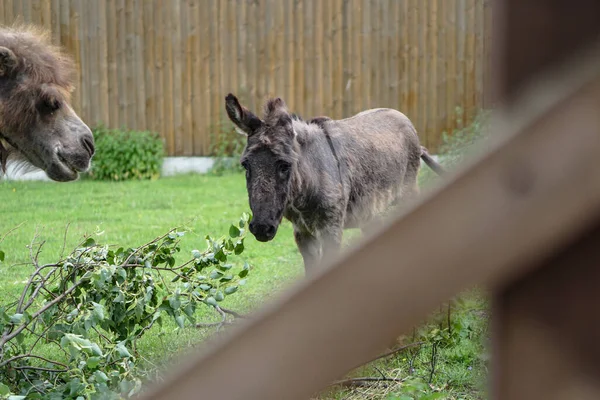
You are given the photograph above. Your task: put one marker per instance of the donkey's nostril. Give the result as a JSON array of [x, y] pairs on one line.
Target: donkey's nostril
[[88, 143]]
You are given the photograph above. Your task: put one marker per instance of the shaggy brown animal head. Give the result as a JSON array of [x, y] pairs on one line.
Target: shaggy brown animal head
[[269, 158], [37, 121]]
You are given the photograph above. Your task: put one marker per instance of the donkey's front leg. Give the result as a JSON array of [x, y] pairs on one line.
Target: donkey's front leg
[[331, 237], [309, 247]]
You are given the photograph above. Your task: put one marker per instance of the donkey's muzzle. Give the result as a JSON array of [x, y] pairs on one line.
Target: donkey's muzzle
[[263, 232]]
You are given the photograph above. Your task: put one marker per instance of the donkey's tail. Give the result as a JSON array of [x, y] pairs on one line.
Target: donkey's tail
[[431, 163]]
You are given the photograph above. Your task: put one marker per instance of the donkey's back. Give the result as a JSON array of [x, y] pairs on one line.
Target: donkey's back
[[379, 155]]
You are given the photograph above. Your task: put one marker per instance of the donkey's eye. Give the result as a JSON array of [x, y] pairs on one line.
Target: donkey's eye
[[283, 169]]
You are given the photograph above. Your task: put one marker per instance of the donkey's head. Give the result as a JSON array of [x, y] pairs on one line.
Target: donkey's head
[[269, 160], [36, 119]]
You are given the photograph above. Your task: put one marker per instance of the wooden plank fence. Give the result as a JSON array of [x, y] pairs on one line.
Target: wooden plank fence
[[166, 65]]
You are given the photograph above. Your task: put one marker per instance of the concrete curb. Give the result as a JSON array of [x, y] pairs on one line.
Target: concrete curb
[[171, 166]]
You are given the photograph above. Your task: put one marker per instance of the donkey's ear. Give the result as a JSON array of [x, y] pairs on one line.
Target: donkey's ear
[[245, 122], [8, 61]]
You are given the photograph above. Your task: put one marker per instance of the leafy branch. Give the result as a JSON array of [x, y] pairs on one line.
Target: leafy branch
[[73, 330]]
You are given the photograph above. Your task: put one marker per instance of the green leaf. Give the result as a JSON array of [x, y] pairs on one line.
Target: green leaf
[[100, 376], [234, 231], [174, 302], [122, 350], [16, 318], [89, 242], [13, 397], [4, 390], [231, 290], [215, 274], [179, 321], [204, 287], [196, 254], [98, 311], [219, 296], [93, 362], [2, 255], [211, 300]]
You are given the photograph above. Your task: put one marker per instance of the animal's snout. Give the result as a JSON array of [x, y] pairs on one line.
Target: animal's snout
[[263, 232], [87, 141]]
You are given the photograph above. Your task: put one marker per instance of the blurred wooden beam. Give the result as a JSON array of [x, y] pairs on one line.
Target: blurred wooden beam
[[536, 188], [544, 332], [530, 36]]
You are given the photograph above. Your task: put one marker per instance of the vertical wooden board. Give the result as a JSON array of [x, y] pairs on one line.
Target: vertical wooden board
[[149, 63], [289, 53], [487, 52], [17, 11], [461, 25], [30, 13], [196, 105], [299, 56], [215, 67], [469, 63], [432, 72], [205, 18], [54, 20], [186, 77], [8, 11], [280, 39], [318, 57], [90, 57], [479, 54], [242, 43], [102, 37], [327, 60], [452, 71], [46, 15], [168, 92], [139, 65], [3, 20], [259, 44], [176, 76], [423, 93], [253, 59], [394, 49], [63, 20], [222, 70], [338, 69], [346, 91], [269, 38], [159, 79], [375, 38], [230, 54], [385, 87], [442, 69], [121, 66], [356, 48], [413, 74], [404, 50], [130, 70], [308, 56], [74, 39], [111, 38]]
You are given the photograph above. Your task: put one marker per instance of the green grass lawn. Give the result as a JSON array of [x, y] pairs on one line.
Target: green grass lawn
[[133, 213]]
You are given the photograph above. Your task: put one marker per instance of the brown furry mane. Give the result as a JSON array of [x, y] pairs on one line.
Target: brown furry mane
[[40, 60]]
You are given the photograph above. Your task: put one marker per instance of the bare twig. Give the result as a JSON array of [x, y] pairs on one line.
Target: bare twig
[[231, 312], [21, 356], [62, 251], [364, 381], [11, 230]]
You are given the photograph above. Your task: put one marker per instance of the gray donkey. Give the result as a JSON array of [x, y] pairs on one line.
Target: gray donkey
[[325, 175]]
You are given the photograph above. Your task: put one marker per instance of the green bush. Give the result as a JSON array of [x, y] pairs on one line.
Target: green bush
[[126, 155]]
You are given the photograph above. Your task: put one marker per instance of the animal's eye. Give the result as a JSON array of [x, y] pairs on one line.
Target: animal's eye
[[49, 106], [283, 168]]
